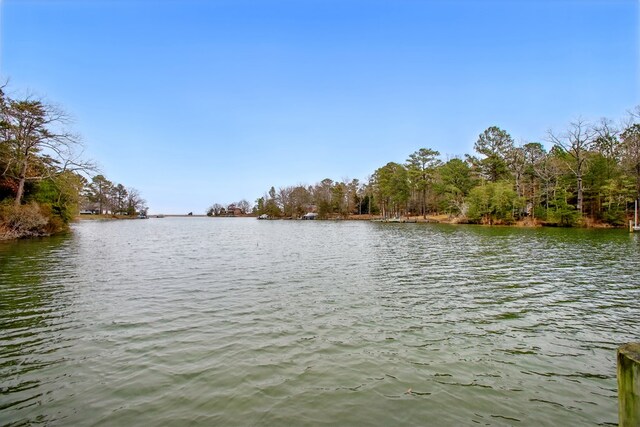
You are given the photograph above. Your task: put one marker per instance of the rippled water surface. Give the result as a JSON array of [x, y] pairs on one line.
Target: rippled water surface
[[186, 321]]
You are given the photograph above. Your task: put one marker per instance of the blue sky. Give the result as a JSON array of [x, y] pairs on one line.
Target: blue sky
[[196, 102]]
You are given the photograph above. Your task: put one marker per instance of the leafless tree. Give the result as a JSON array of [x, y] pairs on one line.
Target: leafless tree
[[244, 206], [576, 141], [135, 202]]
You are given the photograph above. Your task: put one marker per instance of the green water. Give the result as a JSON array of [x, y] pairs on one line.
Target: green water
[[199, 321]]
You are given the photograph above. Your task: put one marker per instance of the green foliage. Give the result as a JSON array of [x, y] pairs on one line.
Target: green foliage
[[324, 209], [367, 206], [272, 209], [617, 193], [562, 213], [260, 205], [98, 192], [453, 183], [35, 145], [39, 166], [493, 203], [55, 222], [494, 145], [53, 203], [392, 186], [61, 193], [103, 196], [338, 192], [588, 169], [615, 217], [479, 204]]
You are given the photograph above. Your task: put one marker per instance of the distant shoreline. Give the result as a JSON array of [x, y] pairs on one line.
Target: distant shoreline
[[433, 219]]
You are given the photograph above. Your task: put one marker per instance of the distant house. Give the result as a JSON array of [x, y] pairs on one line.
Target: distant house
[[233, 210], [310, 215], [89, 208]]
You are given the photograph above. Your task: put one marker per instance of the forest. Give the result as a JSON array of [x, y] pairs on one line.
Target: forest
[[590, 176], [44, 178]]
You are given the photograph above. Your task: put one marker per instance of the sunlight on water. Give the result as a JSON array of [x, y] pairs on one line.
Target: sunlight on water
[[245, 322]]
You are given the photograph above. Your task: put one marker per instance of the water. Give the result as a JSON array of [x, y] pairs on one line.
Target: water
[[199, 321]]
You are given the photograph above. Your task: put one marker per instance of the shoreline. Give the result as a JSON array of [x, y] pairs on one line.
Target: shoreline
[[430, 219]]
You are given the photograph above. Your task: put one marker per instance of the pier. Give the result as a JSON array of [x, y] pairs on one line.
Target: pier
[[629, 385]]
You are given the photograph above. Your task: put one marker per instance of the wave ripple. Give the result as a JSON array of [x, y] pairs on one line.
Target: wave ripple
[[244, 322]]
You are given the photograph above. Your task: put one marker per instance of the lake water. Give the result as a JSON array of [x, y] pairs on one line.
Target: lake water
[[200, 321]]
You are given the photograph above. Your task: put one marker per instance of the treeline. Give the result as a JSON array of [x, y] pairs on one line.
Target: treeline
[[101, 196], [327, 198], [42, 172], [590, 174]]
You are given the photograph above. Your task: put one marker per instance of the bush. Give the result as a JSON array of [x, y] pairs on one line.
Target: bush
[[561, 213], [493, 203], [56, 221], [540, 212], [615, 217], [17, 222]]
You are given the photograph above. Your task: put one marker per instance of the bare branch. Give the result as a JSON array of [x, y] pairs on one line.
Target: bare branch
[[34, 136]]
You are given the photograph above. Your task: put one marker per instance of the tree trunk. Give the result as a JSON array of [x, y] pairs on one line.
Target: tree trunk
[[533, 203], [23, 178], [424, 203], [580, 196]]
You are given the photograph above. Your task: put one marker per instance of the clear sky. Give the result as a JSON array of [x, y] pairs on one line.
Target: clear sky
[[196, 102]]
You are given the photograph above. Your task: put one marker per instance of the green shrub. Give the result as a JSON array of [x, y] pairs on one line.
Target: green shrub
[[561, 213], [540, 213], [493, 203], [615, 217]]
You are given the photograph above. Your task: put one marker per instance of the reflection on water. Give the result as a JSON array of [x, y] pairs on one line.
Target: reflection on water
[[244, 322], [32, 321]]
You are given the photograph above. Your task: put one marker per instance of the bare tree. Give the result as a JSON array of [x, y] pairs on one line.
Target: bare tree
[[135, 202], [284, 200], [631, 153], [576, 141], [516, 162], [244, 206], [214, 209], [300, 200], [534, 167], [36, 143]]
